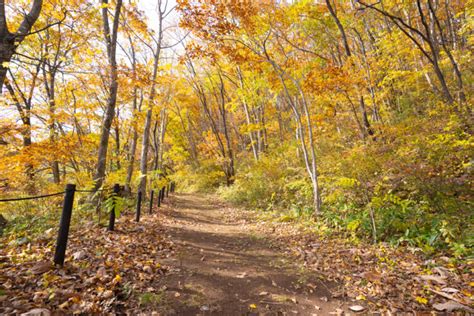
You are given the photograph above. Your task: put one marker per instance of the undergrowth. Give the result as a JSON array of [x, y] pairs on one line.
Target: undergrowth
[[407, 190], [29, 220]]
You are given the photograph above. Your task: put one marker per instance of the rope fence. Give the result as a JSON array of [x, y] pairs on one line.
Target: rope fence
[[48, 195], [31, 197], [93, 191], [68, 204]]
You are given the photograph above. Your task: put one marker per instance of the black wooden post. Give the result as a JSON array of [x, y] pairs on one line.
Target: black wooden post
[[139, 205], [167, 189], [162, 194], [112, 211], [159, 198], [64, 224], [151, 200]]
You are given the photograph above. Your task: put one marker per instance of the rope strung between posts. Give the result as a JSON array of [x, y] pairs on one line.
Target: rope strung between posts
[[57, 193], [68, 203], [93, 191], [31, 197], [47, 195]]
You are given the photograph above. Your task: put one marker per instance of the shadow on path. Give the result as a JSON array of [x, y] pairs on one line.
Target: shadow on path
[[222, 268]]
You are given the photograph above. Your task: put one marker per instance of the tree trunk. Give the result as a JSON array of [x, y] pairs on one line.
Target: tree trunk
[[133, 147], [50, 85], [148, 119], [117, 141], [7, 48], [340, 27], [9, 41], [151, 97], [230, 164], [247, 117], [136, 106], [111, 43]]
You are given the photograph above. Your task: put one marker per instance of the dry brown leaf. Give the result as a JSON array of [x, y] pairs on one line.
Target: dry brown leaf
[[41, 267], [434, 278], [37, 312], [451, 306], [357, 308]]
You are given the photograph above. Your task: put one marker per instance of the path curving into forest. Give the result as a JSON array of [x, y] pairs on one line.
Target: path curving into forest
[[222, 268]]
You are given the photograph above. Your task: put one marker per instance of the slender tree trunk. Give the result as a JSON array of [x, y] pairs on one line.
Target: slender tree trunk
[[187, 130], [25, 115], [264, 128], [50, 85], [310, 164], [230, 154], [247, 117], [156, 145], [136, 107], [340, 27], [457, 71], [111, 43], [314, 167], [367, 127], [147, 129], [117, 140], [151, 100], [161, 147], [52, 129], [133, 150]]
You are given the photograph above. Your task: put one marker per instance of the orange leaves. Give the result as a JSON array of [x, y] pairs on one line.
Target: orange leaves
[[328, 79]]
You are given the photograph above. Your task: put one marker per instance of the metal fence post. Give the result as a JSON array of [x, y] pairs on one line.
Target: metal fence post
[[112, 211], [151, 200], [64, 224], [139, 205]]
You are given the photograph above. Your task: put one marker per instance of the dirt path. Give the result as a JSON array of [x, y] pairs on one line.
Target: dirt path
[[222, 268]]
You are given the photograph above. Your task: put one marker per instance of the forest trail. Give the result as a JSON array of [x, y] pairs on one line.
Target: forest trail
[[221, 268]]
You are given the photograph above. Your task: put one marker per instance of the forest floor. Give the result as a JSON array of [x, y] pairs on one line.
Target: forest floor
[[197, 255], [231, 261], [223, 268]]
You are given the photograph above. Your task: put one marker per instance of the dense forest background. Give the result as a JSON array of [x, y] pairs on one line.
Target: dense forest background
[[354, 116]]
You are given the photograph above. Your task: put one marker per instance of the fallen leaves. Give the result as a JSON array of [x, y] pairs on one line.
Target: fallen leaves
[[79, 255], [37, 312], [357, 308], [451, 306], [41, 267], [434, 278], [101, 273], [422, 300], [386, 279]]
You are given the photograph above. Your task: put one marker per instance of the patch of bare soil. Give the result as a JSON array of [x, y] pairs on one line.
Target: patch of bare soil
[[224, 268]]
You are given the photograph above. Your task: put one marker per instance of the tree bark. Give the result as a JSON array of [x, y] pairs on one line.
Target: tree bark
[[230, 174], [148, 119], [340, 27], [10, 41], [247, 116], [111, 43]]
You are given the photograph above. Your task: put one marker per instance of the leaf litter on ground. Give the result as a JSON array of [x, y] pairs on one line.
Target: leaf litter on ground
[[104, 272], [378, 278]]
